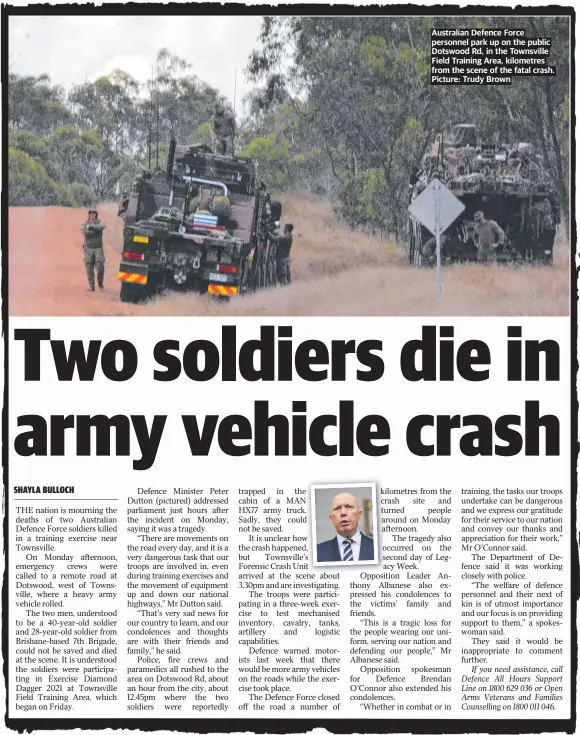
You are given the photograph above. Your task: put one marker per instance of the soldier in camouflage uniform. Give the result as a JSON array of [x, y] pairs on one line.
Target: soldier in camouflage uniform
[[283, 246], [124, 203], [224, 125], [94, 256], [487, 235]]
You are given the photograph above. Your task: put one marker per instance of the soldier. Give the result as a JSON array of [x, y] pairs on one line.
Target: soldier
[[93, 249], [284, 244], [123, 204], [224, 126], [487, 235]]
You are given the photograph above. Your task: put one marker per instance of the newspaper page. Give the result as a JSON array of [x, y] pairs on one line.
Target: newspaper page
[[290, 333]]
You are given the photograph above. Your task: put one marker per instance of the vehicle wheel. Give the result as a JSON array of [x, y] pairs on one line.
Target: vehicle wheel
[[131, 294], [260, 275], [244, 277]]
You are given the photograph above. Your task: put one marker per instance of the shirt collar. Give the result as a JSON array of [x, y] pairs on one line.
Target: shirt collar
[[355, 539]]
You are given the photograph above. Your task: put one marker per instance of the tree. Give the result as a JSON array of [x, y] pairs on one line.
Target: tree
[[361, 89], [179, 103], [33, 104], [280, 141], [78, 155], [28, 182], [96, 137]]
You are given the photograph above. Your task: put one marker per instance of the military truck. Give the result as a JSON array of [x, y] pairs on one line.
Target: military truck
[[507, 182], [203, 224]]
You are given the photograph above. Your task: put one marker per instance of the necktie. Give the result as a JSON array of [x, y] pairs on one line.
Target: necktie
[[347, 554]]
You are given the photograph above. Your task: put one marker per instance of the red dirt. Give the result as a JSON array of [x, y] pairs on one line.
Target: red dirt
[[336, 272], [46, 274]]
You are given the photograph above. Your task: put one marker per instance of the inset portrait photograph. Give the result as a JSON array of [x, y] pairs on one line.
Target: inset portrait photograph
[[344, 527]]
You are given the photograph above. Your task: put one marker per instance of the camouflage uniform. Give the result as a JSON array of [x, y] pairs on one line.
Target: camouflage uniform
[[123, 204], [487, 236], [94, 256], [224, 126], [284, 244], [283, 272]]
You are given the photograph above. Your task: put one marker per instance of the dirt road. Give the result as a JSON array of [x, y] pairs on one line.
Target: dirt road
[[336, 273]]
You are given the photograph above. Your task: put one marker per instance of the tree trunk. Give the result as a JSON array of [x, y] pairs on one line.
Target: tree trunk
[[561, 182]]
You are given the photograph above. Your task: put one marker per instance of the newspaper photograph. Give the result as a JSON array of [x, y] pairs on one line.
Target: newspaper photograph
[[290, 410]]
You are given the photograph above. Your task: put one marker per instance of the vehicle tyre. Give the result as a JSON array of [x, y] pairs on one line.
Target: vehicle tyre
[[131, 294], [244, 277]]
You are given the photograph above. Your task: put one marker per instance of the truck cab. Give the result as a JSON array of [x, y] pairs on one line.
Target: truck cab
[[204, 224]]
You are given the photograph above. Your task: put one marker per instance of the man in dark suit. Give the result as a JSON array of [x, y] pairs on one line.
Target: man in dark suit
[[349, 545]]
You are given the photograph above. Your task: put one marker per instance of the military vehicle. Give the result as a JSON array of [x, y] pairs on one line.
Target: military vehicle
[[508, 183], [204, 224]]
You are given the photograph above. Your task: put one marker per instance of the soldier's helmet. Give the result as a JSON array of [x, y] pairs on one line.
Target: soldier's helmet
[[94, 210], [478, 216]]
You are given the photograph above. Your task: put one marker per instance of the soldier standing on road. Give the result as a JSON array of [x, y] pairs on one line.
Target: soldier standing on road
[[284, 245], [487, 235], [224, 126], [93, 250]]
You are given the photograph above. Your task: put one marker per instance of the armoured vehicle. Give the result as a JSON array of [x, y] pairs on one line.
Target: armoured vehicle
[[204, 223], [508, 183]]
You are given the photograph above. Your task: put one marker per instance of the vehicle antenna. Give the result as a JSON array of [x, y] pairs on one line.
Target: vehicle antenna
[[157, 120], [150, 122], [234, 131], [235, 87]]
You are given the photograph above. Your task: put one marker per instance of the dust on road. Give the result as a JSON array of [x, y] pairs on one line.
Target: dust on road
[[336, 272]]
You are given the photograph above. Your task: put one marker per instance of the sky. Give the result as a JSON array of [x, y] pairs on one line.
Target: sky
[[72, 49]]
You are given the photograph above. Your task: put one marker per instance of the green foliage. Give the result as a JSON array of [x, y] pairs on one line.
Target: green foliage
[[78, 156], [34, 104], [28, 182], [362, 200], [412, 132], [344, 110], [375, 53], [272, 153], [360, 93], [100, 133], [30, 143], [57, 169], [79, 195], [203, 134]]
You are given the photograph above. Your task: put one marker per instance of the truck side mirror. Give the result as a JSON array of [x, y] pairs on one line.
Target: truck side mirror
[[275, 211]]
